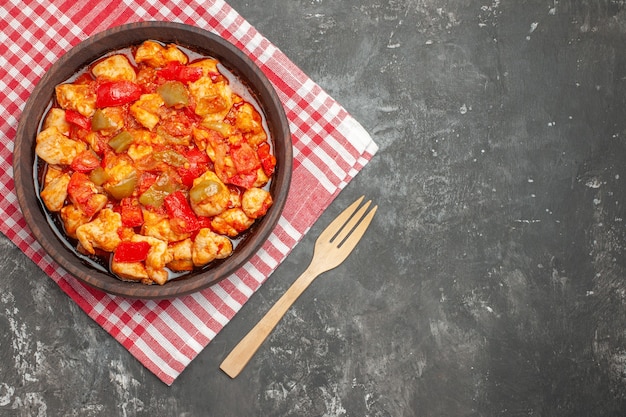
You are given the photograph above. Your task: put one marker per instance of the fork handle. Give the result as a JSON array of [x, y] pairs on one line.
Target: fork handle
[[247, 347]]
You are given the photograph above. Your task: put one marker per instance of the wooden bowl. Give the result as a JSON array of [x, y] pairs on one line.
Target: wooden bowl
[[198, 40]]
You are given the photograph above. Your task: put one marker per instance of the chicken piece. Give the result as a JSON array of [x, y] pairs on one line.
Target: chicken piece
[[235, 139], [231, 222], [94, 141], [181, 253], [248, 120], [57, 149], [158, 257], [213, 100], [181, 250], [77, 97], [100, 232], [121, 176], [261, 178], [56, 118], [126, 233], [208, 196], [208, 246], [139, 151], [208, 65], [255, 202], [157, 56], [235, 197], [55, 192], [52, 173], [115, 68], [256, 138], [73, 217], [202, 139], [131, 271], [146, 110], [173, 54], [159, 226]]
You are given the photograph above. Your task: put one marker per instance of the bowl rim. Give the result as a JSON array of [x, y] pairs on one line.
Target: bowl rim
[[120, 37]]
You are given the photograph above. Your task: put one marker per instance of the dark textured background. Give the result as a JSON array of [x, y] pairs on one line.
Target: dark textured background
[[492, 280]]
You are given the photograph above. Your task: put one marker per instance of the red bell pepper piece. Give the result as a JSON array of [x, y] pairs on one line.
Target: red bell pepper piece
[[204, 222], [178, 209], [86, 161], [131, 213], [77, 119], [131, 251], [175, 71], [268, 161], [198, 164], [117, 93]]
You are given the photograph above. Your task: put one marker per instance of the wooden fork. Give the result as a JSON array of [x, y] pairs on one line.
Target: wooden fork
[[331, 248]]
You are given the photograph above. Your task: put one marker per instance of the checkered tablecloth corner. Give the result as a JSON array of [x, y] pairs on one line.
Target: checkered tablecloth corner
[[330, 148]]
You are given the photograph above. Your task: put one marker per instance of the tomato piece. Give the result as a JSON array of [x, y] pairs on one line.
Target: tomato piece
[[81, 192], [187, 176], [198, 165], [127, 252], [175, 71], [245, 158], [131, 213], [177, 123], [77, 119], [243, 179], [223, 170], [86, 161], [117, 93], [204, 222], [178, 209], [196, 157], [78, 188], [268, 161]]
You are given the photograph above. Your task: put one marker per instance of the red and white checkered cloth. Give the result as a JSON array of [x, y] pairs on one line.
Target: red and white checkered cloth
[[330, 147]]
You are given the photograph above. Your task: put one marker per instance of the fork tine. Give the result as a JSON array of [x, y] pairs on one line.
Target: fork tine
[[347, 227], [333, 227], [359, 231]]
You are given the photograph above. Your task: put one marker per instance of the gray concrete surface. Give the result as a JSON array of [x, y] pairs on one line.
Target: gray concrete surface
[[492, 281]]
